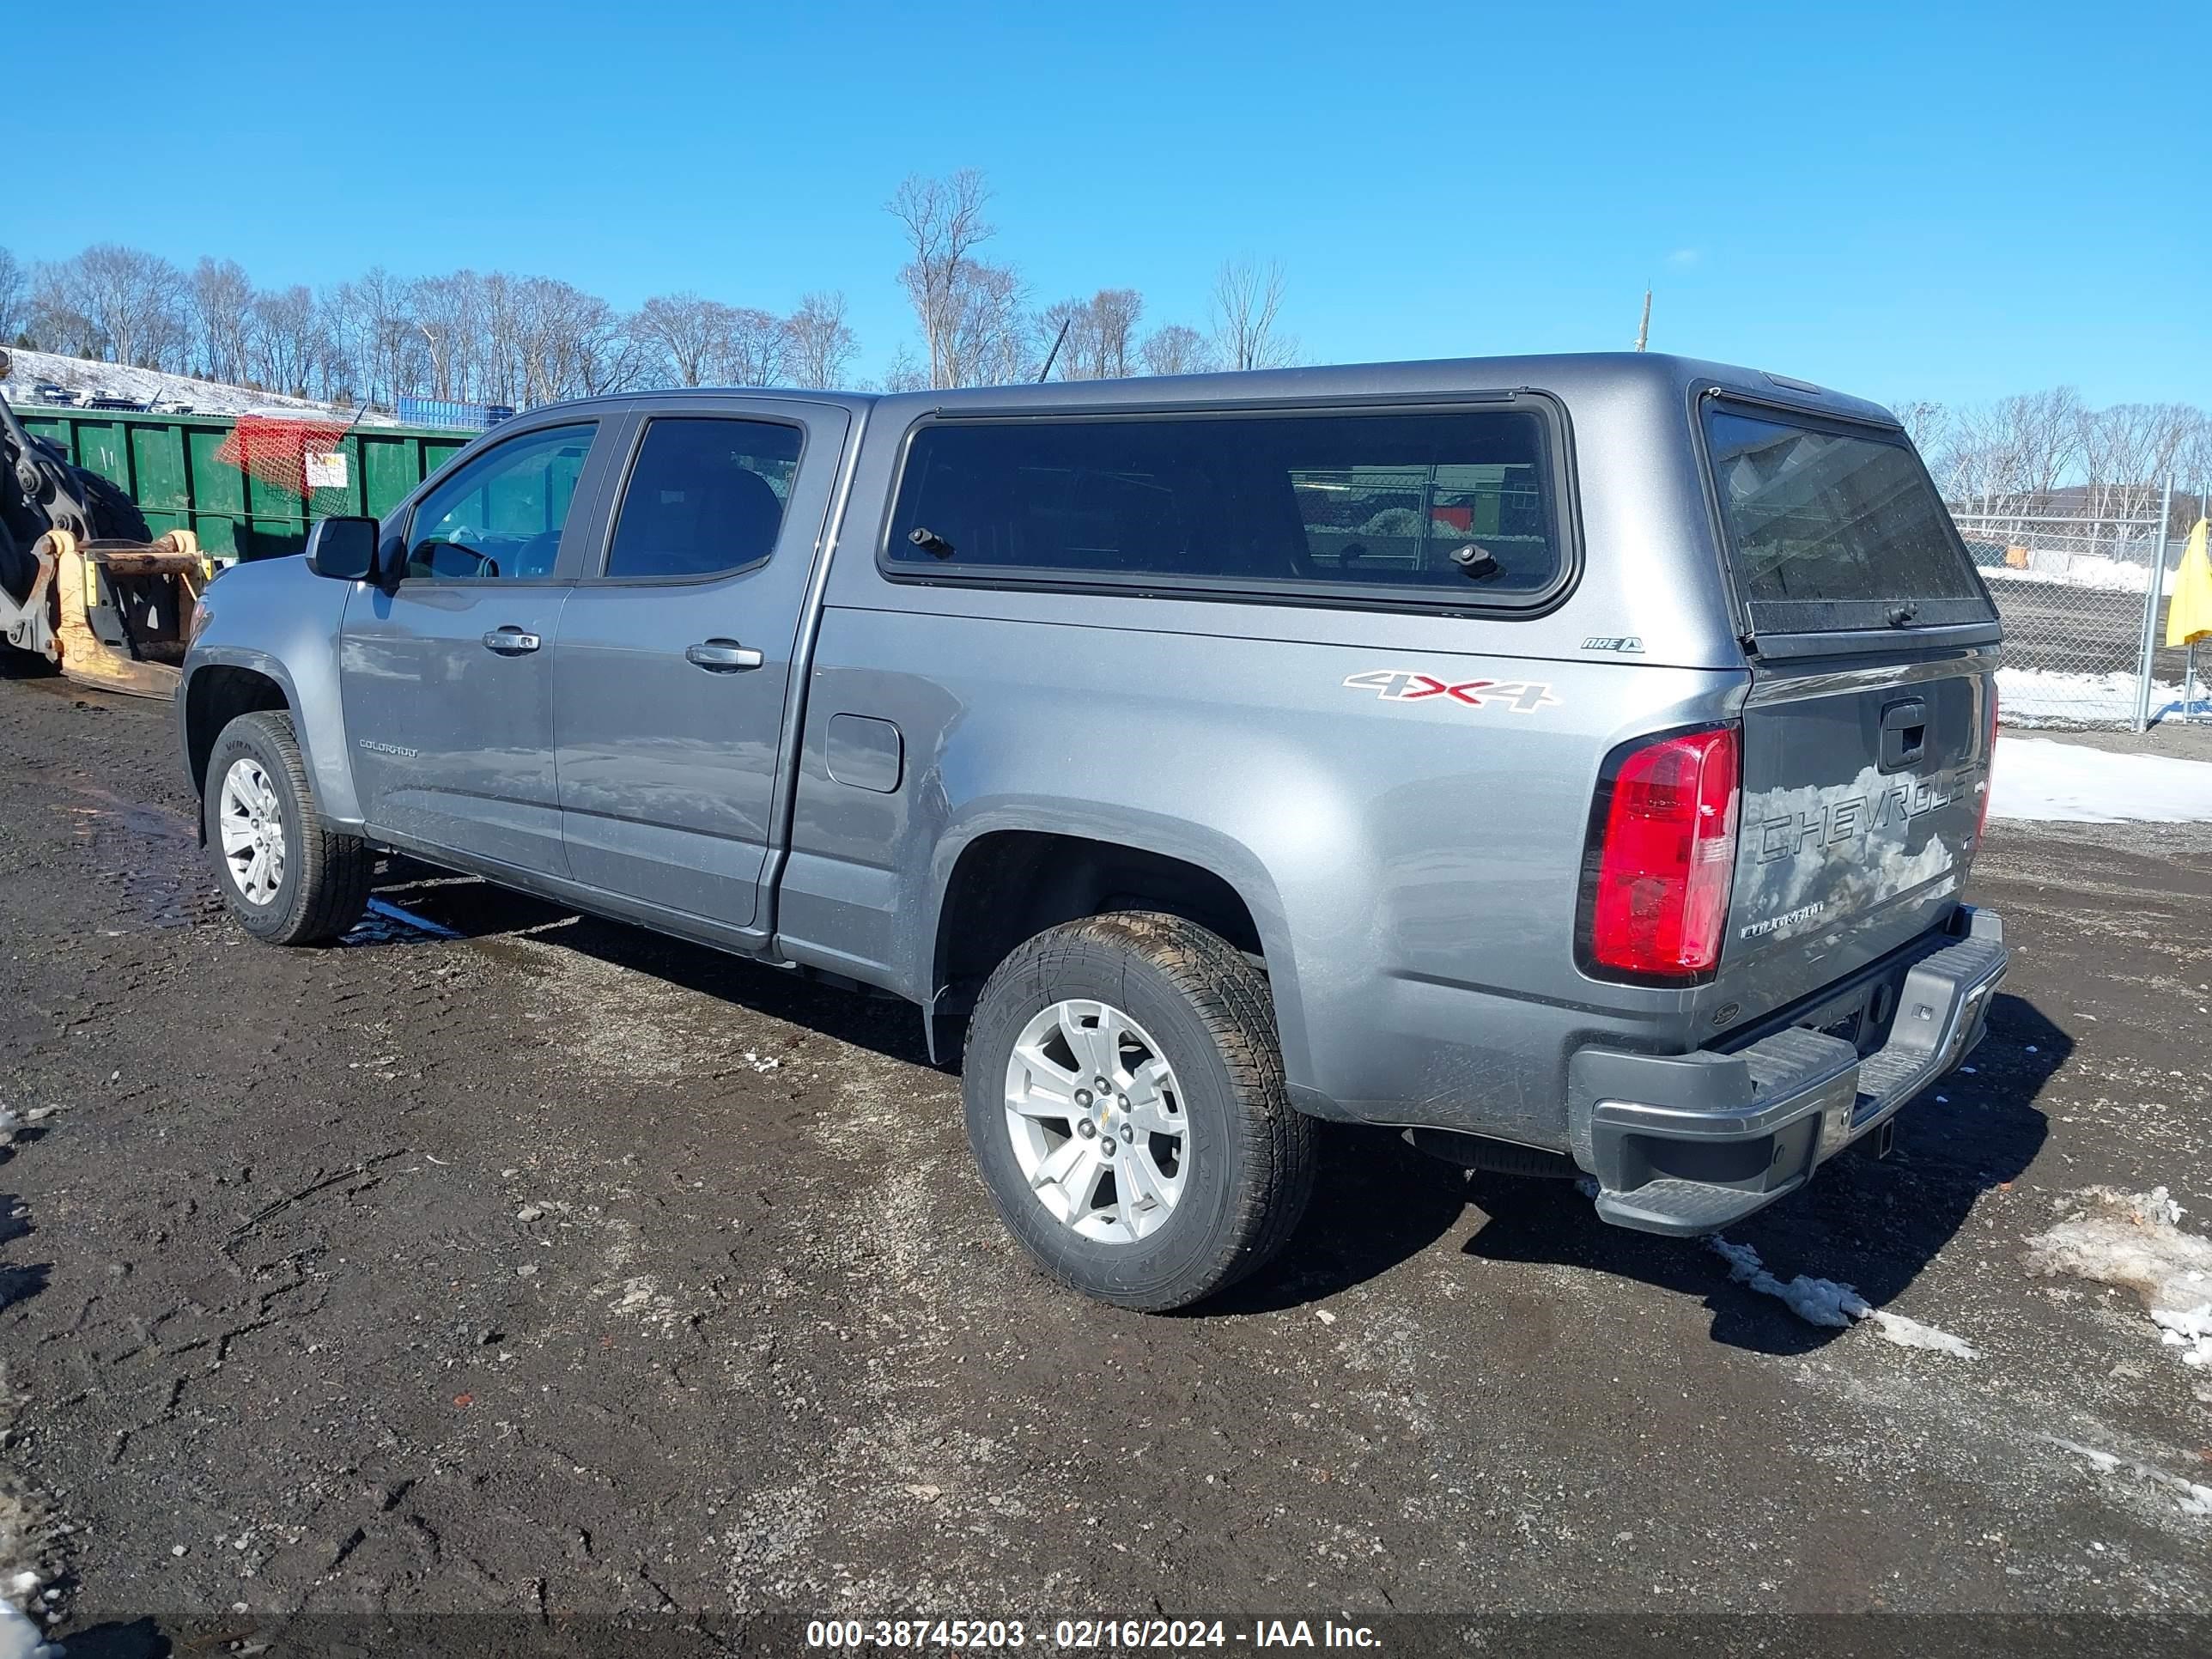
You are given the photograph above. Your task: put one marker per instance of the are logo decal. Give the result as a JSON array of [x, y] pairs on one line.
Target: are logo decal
[[1405, 685]]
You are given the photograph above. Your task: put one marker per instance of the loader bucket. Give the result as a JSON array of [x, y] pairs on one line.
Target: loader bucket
[[120, 609]]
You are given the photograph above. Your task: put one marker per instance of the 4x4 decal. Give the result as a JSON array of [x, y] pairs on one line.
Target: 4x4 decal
[[1404, 685]]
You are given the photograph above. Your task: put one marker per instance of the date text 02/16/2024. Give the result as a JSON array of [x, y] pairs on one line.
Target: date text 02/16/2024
[[1085, 1635]]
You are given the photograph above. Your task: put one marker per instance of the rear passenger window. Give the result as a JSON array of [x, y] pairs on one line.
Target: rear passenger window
[[706, 496], [1438, 507]]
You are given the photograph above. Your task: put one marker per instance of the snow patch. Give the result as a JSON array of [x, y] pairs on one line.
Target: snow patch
[[2130, 1240], [2193, 1498], [2044, 696], [2037, 778], [22, 1524], [2099, 570], [1825, 1302], [144, 385]]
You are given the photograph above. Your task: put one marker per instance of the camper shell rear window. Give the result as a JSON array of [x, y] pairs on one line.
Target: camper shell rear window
[[1833, 526]]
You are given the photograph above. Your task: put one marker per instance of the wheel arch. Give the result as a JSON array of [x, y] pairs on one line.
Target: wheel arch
[[1003, 879], [216, 694], [223, 682]]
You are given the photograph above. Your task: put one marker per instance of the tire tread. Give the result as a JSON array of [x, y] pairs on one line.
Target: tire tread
[[1231, 998], [335, 868]]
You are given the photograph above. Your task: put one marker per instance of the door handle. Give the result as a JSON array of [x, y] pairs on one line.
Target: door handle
[[723, 656], [510, 642]]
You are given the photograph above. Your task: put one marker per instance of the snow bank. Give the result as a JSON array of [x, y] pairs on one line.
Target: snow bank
[[1825, 1302], [2130, 1240], [2041, 696], [2035, 778], [144, 385]]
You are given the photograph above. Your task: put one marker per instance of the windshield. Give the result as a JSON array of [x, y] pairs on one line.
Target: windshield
[[1830, 528]]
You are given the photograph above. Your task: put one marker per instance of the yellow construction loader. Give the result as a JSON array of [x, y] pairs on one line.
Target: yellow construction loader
[[81, 584]]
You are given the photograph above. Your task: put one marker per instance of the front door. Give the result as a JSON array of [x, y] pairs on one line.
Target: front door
[[445, 674], [674, 656]]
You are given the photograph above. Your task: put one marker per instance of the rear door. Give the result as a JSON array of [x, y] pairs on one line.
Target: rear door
[[1868, 728], [444, 673], [673, 659]]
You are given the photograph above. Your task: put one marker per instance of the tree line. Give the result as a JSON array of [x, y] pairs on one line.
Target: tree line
[[500, 337], [2050, 451]]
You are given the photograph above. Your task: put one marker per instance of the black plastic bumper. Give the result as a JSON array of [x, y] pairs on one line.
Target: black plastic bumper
[[1685, 1144]]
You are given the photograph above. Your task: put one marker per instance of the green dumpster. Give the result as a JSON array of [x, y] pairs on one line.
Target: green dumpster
[[168, 464]]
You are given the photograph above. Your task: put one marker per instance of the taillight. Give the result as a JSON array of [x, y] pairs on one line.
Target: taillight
[[1655, 884]]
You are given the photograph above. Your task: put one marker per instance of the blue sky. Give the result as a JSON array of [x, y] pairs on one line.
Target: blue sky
[[1953, 199]]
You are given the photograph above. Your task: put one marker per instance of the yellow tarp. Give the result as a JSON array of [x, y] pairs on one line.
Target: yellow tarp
[[2188, 615]]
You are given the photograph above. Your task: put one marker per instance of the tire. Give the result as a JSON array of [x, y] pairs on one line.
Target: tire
[[318, 885], [1211, 1197], [115, 516]]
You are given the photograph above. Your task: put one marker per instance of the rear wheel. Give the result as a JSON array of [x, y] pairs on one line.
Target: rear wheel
[[1124, 1097], [286, 877]]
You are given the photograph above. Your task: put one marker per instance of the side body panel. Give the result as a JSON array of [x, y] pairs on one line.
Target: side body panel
[[667, 768], [1413, 863]]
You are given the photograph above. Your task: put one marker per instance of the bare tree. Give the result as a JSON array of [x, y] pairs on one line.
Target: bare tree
[[372, 336], [283, 342], [1114, 312], [58, 320], [944, 222], [1176, 349], [221, 298], [1247, 302], [989, 337], [686, 330], [2129, 450], [821, 343], [15, 294], [1924, 423], [1098, 345], [2043, 431], [906, 374], [447, 313], [609, 356], [754, 347], [122, 303], [1068, 324]]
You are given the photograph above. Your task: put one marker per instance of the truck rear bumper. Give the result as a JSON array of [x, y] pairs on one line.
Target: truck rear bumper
[[1685, 1143]]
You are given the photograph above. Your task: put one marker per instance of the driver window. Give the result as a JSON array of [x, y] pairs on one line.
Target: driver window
[[498, 517]]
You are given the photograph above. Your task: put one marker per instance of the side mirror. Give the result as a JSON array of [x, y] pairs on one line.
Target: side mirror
[[343, 549]]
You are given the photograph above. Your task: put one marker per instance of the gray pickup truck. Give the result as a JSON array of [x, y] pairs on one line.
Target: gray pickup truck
[[1573, 761]]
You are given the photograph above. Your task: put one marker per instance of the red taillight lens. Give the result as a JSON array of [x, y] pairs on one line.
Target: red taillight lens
[[1658, 899]]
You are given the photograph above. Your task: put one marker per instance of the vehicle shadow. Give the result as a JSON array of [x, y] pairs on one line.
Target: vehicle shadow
[[417, 903], [1871, 1224], [1376, 1202]]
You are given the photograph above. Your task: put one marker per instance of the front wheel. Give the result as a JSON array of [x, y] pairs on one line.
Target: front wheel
[[286, 877], [1124, 1097]]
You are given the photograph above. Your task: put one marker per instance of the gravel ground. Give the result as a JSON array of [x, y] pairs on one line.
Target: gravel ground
[[554, 1273]]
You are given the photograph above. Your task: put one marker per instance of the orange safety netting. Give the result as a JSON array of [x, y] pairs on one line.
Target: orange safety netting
[[274, 449]]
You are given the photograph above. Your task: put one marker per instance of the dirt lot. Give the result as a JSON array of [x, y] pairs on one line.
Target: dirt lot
[[556, 1272]]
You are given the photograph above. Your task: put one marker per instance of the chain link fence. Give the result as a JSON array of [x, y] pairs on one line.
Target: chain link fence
[[2071, 593]]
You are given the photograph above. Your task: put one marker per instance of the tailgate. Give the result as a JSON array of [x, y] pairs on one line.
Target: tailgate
[[1866, 730], [1862, 804]]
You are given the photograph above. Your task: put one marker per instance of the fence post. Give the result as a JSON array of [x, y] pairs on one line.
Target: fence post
[[2154, 590]]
